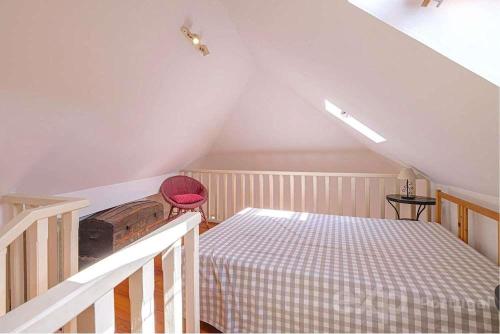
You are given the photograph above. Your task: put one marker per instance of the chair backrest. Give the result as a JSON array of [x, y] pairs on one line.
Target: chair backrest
[[181, 184]]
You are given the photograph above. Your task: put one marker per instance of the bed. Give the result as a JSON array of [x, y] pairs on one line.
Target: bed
[[280, 271]]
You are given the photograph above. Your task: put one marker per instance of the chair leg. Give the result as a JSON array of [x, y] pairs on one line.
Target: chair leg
[[170, 212], [204, 218]]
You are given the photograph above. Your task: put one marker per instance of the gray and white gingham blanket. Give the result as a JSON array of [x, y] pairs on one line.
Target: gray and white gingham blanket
[[279, 271]]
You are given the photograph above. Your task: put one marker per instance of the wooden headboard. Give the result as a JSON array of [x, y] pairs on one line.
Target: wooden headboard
[[463, 208]]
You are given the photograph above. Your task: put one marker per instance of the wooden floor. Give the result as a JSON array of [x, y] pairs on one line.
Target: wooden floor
[[122, 304]]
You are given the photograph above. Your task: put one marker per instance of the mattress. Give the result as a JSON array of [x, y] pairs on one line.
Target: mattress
[[280, 271]]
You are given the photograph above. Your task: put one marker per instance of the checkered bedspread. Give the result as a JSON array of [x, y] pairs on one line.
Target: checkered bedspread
[[279, 271]]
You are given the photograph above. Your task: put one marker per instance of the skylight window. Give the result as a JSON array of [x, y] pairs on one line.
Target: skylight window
[[353, 122]]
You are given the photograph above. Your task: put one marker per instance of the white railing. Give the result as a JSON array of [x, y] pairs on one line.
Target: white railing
[[352, 194], [88, 295], [38, 247]]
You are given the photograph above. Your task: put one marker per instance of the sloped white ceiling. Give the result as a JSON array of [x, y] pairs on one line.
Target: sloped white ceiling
[[462, 30], [99, 92], [436, 115]]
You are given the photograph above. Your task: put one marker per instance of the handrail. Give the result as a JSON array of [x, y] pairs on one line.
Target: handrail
[[50, 311], [469, 205], [20, 223], [36, 200], [259, 172]]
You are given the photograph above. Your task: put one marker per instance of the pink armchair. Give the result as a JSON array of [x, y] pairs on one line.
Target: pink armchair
[[185, 194]]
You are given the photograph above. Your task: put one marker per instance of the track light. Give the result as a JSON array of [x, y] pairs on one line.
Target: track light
[[425, 3], [195, 39]]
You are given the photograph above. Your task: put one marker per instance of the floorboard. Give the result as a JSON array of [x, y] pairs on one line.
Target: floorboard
[[122, 302]]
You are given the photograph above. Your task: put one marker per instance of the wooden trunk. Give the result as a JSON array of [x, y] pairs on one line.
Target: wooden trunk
[[107, 231]]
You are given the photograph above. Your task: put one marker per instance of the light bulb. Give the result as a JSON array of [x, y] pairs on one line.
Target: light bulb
[[196, 40]]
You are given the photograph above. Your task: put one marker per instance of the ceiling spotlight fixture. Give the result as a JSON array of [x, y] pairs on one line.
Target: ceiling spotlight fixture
[[195, 39], [425, 3]]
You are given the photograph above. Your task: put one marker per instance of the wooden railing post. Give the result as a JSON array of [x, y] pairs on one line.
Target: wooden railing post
[[3, 281], [315, 193], [339, 196], [271, 191], [327, 194], [172, 288], [261, 191], [192, 281], [36, 258], [252, 191], [303, 193], [53, 252], [459, 223], [217, 197], [233, 182], [465, 222], [16, 254], [141, 286], [243, 192], [367, 197], [382, 197], [226, 213], [353, 196], [100, 317], [209, 200], [69, 228], [281, 192], [438, 206]]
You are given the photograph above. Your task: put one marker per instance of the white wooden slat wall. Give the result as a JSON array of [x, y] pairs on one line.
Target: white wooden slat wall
[[355, 194]]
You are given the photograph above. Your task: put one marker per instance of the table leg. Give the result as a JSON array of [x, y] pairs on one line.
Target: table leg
[[421, 209], [395, 209]]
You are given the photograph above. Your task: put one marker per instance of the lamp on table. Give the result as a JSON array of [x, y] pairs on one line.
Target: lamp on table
[[408, 190]]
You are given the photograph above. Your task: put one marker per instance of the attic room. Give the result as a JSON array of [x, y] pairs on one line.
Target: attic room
[[265, 166]]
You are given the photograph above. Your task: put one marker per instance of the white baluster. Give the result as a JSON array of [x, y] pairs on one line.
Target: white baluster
[[271, 191], [367, 197], [3, 281], [192, 281], [69, 234], [340, 194], [36, 258], [327, 194], [382, 197], [100, 317], [303, 192], [141, 286], [353, 196], [172, 288], [16, 255], [315, 194]]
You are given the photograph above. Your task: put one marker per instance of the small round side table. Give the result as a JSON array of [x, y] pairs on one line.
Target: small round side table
[[421, 201]]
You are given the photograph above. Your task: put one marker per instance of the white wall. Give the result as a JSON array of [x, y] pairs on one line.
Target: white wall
[[272, 128], [105, 197], [109, 196], [337, 161]]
